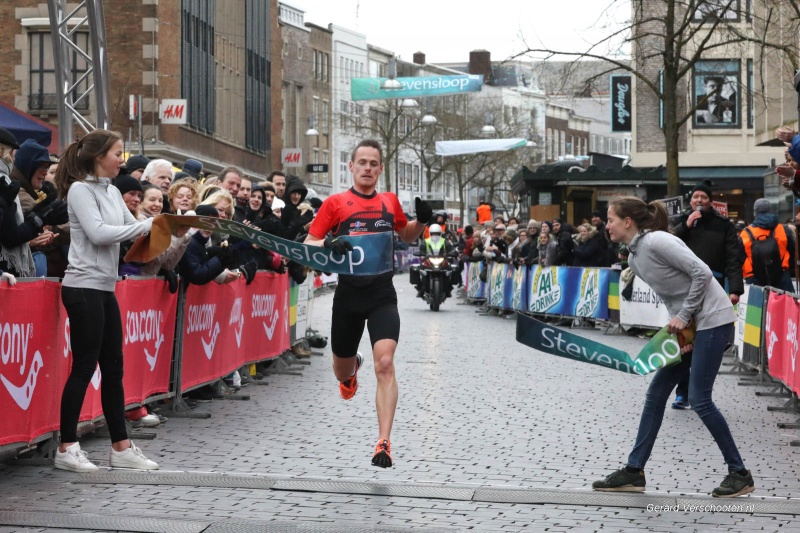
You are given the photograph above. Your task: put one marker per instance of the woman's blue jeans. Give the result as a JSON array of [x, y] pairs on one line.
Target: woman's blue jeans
[[706, 360]]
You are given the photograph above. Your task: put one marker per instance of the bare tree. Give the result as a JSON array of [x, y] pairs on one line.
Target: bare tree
[[668, 38]]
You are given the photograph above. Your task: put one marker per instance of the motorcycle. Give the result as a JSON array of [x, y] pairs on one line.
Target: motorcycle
[[435, 276]]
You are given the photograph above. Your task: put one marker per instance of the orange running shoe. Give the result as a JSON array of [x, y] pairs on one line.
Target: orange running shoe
[[348, 387], [383, 454]]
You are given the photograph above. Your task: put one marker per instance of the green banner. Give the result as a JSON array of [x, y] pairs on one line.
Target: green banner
[[371, 254], [370, 88], [662, 350]]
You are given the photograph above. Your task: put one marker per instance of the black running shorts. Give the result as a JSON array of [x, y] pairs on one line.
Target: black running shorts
[[375, 305]]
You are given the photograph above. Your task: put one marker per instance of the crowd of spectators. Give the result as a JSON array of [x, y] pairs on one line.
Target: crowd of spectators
[[35, 236]]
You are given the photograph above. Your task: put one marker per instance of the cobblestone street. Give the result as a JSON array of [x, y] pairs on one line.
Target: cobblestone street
[[489, 436]]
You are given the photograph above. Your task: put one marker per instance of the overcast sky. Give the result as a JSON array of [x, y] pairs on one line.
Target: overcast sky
[[447, 30]]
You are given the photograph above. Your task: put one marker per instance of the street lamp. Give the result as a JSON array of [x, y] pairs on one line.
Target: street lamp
[[488, 130], [311, 131], [390, 83], [428, 119]]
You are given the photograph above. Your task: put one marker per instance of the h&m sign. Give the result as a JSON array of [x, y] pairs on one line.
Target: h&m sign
[[621, 103]]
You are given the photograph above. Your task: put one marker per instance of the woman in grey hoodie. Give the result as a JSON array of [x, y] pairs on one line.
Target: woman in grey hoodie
[[99, 221], [690, 293]]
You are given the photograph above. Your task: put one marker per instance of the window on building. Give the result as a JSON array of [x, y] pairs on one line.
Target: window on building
[[324, 119], [325, 58], [325, 177], [415, 179], [43, 94], [344, 168], [562, 143], [198, 66], [727, 10], [549, 142], [716, 94], [401, 175], [751, 109]]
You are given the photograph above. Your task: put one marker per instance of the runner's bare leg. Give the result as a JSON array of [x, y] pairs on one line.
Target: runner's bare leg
[[386, 393]]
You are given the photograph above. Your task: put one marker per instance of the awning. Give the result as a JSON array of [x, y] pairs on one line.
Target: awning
[[25, 127], [449, 148]]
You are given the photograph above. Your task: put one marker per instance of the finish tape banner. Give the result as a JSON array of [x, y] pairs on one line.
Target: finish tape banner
[[371, 254], [370, 88], [662, 350]]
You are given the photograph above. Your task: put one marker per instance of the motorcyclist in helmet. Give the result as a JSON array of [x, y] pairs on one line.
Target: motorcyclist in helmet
[[435, 245]]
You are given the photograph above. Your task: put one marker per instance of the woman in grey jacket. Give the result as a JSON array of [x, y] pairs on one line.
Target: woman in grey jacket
[[99, 221], [689, 292]]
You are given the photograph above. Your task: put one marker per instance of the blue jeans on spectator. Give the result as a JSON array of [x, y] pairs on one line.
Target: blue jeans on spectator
[[706, 360], [40, 262]]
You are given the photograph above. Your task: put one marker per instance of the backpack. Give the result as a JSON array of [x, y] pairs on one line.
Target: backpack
[[765, 255]]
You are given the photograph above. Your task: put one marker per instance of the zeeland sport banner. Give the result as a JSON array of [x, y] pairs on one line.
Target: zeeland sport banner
[[370, 88], [662, 350], [371, 254]]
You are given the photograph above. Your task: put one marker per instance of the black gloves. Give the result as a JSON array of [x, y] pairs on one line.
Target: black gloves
[[50, 195], [9, 189], [171, 278], [52, 214], [249, 271], [337, 246], [423, 209], [297, 272], [224, 253]]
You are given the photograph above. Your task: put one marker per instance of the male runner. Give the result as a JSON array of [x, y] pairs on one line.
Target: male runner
[[371, 299]]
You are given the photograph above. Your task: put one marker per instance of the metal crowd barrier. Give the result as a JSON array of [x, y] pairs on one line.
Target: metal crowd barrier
[[171, 344]]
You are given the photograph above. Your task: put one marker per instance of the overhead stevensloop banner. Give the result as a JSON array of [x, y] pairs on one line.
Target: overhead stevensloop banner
[[370, 88], [447, 148]]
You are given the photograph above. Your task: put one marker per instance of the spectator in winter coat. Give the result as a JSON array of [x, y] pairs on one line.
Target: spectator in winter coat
[[562, 233], [547, 250], [590, 248]]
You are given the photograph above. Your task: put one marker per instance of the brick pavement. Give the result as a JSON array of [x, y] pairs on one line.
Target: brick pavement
[[475, 408]]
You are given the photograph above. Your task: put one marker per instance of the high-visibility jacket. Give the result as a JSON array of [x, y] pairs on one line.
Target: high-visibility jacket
[[484, 213], [434, 248], [758, 233]]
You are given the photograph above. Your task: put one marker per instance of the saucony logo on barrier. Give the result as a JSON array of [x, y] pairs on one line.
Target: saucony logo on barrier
[[208, 347], [270, 330], [237, 317], [264, 306], [24, 394], [14, 339], [791, 336], [201, 318], [144, 327]]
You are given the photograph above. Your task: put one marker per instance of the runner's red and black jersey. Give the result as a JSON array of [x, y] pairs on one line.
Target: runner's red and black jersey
[[353, 213]]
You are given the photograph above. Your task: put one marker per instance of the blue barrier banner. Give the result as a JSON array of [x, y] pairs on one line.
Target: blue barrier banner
[[476, 289], [497, 282], [519, 298], [592, 296], [548, 290], [508, 286]]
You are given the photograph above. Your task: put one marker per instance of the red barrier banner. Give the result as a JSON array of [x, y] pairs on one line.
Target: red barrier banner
[[32, 371], [783, 315], [148, 313], [266, 328], [229, 325]]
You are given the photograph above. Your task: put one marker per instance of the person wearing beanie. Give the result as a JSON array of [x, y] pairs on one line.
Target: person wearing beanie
[[714, 239], [135, 166], [193, 167], [131, 190], [764, 225]]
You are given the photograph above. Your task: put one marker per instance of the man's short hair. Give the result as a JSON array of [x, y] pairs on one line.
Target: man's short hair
[[368, 143], [230, 170]]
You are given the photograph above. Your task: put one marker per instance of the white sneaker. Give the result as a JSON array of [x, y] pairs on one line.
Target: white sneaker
[[150, 421], [132, 458], [75, 460]]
